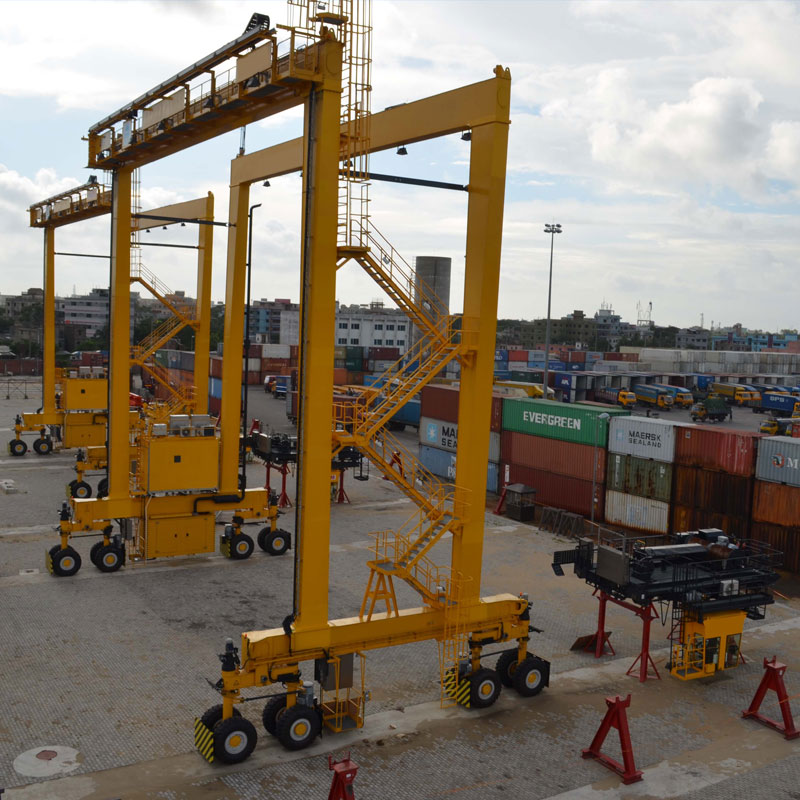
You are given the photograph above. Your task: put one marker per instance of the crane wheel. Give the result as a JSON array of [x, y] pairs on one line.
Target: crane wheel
[[273, 711], [81, 490], [276, 543], [214, 714], [102, 488], [234, 739], [94, 551], [66, 562], [506, 665], [485, 688], [109, 558], [43, 447], [531, 676], [241, 546], [16, 447], [298, 726]]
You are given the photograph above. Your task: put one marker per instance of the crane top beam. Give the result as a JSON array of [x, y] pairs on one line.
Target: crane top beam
[[90, 199]]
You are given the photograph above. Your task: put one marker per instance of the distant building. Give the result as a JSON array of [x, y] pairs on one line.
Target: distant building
[[692, 339], [265, 318], [90, 310]]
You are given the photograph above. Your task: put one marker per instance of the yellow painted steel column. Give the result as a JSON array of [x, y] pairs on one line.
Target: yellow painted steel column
[[232, 338], [202, 335], [119, 337], [49, 324], [487, 179], [317, 323]]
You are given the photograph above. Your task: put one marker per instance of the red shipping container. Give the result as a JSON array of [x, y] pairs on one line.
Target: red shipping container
[[215, 367], [559, 491], [780, 537], [339, 376], [355, 378], [518, 355], [253, 378], [686, 518], [294, 351], [716, 492], [441, 402], [576, 356], [717, 449], [214, 405], [776, 503], [383, 353], [563, 458]]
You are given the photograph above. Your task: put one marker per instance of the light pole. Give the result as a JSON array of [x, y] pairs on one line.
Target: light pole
[[604, 417], [552, 230]]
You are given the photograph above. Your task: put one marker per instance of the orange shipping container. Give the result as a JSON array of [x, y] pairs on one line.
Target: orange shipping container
[[776, 503], [339, 376], [686, 518], [783, 538], [713, 448], [563, 458]]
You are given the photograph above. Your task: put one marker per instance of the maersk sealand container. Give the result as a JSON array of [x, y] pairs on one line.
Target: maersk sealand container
[[570, 423]]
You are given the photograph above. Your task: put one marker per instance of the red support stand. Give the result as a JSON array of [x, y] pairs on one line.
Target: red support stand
[[644, 659], [773, 679], [344, 774], [283, 498], [341, 494], [616, 717], [498, 509]]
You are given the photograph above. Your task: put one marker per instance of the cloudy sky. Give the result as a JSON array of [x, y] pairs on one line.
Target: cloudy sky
[[664, 137]]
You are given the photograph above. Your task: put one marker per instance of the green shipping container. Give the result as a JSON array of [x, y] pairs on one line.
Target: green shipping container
[[340, 352], [526, 376], [354, 351], [353, 364], [568, 422], [642, 477]]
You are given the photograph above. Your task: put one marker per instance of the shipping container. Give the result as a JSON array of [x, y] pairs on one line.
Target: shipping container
[[441, 402], [642, 437], [339, 376], [570, 423], [354, 351], [443, 464], [215, 367], [408, 414], [355, 377], [215, 387], [642, 477], [501, 355], [717, 448], [294, 351], [353, 364], [444, 435], [558, 491], [779, 460], [719, 492], [687, 518], [776, 503], [518, 355], [340, 353], [275, 351], [574, 460], [187, 360], [637, 513], [784, 538], [390, 354], [214, 405]]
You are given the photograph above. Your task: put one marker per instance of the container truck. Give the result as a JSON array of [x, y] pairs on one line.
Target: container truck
[[616, 397], [528, 389], [714, 409], [739, 394], [649, 395], [681, 398], [779, 405], [780, 427]]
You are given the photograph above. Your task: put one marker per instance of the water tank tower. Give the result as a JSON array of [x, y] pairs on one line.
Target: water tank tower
[[434, 273]]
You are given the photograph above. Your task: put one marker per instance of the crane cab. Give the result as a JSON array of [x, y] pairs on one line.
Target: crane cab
[[708, 644]]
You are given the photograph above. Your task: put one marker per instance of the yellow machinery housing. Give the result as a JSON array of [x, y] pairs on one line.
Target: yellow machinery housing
[[707, 646]]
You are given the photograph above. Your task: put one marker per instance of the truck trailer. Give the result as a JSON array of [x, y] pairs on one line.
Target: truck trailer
[[739, 394], [653, 396], [682, 398]]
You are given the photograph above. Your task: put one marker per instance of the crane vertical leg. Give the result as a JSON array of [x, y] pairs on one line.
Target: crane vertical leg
[[49, 324], [202, 334], [119, 337]]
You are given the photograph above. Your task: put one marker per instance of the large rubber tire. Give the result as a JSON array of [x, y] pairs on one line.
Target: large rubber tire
[[485, 688], [43, 447], [102, 488], [81, 490], [109, 558], [234, 739], [66, 562], [506, 665], [241, 547], [298, 727], [94, 551], [275, 543], [17, 447], [214, 714], [273, 711], [530, 676]]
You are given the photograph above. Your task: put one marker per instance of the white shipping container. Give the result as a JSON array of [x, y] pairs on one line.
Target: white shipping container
[[444, 436], [642, 437], [779, 460], [253, 364], [275, 351], [639, 513]]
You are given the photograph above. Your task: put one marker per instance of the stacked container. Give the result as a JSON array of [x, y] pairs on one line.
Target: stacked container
[[776, 499], [557, 449], [641, 452], [714, 475], [438, 433]]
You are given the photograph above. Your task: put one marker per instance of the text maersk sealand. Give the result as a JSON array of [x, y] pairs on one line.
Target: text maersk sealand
[[551, 419]]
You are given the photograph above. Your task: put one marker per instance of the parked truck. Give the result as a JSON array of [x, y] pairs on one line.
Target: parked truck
[[682, 398], [780, 427], [615, 397], [649, 395], [779, 405], [739, 394], [713, 409]]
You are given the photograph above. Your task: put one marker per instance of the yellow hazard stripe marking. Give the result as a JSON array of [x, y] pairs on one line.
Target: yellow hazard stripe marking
[[204, 740], [49, 561], [458, 690]]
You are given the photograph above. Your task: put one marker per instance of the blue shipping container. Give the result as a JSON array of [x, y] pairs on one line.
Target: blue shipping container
[[501, 355], [502, 374], [703, 381], [215, 387], [408, 414], [563, 380], [443, 464]]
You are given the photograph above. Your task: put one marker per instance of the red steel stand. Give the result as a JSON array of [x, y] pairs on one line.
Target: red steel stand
[[498, 509], [283, 498], [644, 659], [344, 774], [341, 494], [773, 679], [616, 717]]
